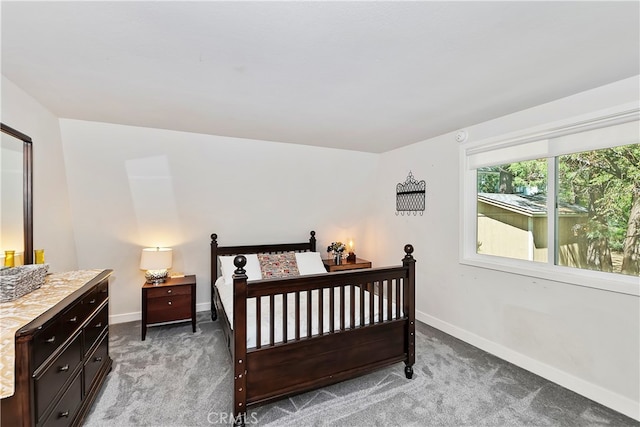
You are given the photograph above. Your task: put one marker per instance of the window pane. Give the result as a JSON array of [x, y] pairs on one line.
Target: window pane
[[512, 210], [598, 210]]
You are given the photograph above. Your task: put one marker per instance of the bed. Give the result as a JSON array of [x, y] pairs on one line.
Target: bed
[[287, 335]]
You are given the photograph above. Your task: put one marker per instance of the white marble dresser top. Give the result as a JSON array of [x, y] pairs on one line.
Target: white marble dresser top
[[19, 312]]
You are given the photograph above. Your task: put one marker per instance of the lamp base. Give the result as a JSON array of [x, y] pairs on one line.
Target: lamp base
[[351, 257], [156, 276]]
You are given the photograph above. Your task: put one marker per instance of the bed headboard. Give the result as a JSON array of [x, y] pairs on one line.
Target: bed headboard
[[216, 250]]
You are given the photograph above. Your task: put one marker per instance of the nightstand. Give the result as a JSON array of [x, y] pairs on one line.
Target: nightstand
[[171, 301], [330, 264]]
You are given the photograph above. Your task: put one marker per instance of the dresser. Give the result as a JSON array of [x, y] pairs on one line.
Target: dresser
[[61, 356]]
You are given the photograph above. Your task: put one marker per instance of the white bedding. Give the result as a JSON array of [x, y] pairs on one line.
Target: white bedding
[[225, 291]]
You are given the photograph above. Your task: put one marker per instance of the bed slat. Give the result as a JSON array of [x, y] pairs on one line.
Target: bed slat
[[342, 307], [272, 316], [321, 312], [297, 309], [285, 312], [309, 313], [258, 318]]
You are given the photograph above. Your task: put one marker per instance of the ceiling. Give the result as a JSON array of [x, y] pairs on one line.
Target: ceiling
[[366, 76]]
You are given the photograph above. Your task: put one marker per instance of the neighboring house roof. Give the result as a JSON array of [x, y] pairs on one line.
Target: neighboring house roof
[[535, 205]]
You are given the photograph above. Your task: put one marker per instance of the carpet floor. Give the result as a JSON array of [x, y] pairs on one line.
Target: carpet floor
[[179, 378]]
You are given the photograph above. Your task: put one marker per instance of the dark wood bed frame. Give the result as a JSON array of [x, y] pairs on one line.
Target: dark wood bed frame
[[278, 369]]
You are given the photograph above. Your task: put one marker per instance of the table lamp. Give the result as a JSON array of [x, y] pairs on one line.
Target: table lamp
[[156, 261], [351, 248]]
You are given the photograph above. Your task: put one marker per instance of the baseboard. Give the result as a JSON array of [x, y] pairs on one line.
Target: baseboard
[[124, 318], [137, 315], [591, 391]]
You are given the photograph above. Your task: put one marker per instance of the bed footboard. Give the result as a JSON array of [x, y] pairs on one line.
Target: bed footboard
[[362, 332]]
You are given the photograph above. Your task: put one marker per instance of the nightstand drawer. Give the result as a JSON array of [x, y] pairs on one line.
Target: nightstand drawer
[[167, 291], [166, 309]]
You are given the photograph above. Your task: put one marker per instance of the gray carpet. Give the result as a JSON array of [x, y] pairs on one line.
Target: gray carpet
[[178, 378]]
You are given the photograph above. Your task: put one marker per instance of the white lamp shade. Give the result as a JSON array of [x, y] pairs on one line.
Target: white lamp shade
[[156, 259]]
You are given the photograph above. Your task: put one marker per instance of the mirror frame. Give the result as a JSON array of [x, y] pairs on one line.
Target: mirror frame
[[27, 189]]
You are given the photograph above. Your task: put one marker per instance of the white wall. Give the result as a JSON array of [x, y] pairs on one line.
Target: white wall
[[585, 339], [52, 228], [134, 187]]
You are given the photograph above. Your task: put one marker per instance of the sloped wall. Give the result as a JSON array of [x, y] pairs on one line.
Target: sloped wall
[[135, 187]]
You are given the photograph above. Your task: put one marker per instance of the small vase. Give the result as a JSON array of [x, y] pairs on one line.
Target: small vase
[[337, 258], [9, 260]]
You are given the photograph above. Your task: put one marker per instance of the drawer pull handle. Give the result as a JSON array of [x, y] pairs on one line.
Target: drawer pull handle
[[169, 291], [93, 301], [64, 414], [98, 359], [169, 302], [50, 340], [74, 319], [64, 368], [99, 325]]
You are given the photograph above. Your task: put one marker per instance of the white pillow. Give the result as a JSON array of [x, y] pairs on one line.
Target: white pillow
[[310, 263], [227, 268]]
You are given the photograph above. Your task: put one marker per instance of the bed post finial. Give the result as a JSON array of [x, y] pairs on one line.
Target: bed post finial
[[312, 241], [408, 250], [214, 239], [240, 261]]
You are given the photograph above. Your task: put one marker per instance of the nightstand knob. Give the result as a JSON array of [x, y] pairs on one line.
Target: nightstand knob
[[169, 302], [168, 291]]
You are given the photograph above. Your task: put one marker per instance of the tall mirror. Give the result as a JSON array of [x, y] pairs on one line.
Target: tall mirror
[[16, 194]]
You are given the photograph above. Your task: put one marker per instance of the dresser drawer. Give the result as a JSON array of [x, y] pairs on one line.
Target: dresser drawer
[[73, 318], [49, 382], [96, 325], [95, 361], [67, 407], [167, 291], [166, 309], [46, 341], [93, 299]]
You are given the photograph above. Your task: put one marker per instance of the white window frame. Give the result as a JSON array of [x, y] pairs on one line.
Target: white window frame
[[527, 145]]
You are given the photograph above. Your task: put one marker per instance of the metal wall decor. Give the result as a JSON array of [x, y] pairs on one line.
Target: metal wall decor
[[410, 196]]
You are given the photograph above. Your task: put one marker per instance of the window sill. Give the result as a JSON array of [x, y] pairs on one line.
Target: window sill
[[611, 282]]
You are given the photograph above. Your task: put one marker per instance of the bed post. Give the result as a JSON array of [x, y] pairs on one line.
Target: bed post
[[214, 274], [240, 341], [410, 310], [312, 241]]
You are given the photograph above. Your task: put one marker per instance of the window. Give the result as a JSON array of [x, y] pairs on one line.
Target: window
[[562, 204]]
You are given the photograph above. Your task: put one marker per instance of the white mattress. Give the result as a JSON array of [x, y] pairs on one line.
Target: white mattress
[[225, 291]]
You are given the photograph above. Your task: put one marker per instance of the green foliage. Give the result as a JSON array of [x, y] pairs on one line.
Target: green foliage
[[489, 179], [530, 173], [602, 181]]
